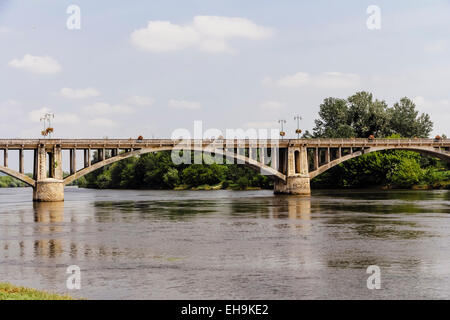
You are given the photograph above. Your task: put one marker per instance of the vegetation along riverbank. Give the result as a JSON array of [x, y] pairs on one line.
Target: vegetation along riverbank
[[11, 292]]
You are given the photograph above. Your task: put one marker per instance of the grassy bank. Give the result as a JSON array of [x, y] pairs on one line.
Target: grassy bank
[[10, 292]]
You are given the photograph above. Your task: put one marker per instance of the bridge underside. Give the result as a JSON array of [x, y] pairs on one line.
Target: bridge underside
[[291, 163]]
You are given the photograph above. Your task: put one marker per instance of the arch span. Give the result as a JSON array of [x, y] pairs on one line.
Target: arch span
[[269, 171], [426, 151], [19, 176]]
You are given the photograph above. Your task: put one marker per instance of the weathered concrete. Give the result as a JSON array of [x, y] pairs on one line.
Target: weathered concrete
[[289, 167], [293, 185], [297, 177], [49, 190]]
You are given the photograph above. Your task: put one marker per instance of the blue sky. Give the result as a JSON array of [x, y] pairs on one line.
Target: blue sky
[[150, 67]]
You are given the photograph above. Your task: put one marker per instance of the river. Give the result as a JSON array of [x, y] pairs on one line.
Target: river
[[229, 244]]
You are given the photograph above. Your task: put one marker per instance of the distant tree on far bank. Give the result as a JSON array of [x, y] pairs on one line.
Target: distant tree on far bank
[[360, 116]]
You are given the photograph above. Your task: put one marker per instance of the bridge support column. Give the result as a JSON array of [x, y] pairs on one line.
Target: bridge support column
[[49, 189], [297, 173], [5, 158], [87, 158], [21, 161]]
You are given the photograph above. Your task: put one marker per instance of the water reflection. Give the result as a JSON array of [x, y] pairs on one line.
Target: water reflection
[[251, 245], [45, 212], [48, 216]]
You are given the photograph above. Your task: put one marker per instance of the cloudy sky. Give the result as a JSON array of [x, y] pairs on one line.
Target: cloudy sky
[[150, 67]]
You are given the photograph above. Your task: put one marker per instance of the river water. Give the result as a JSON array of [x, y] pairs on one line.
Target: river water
[[229, 245]]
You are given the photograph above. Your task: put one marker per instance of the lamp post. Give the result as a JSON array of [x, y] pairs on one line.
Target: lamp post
[[282, 133], [48, 129], [298, 130]]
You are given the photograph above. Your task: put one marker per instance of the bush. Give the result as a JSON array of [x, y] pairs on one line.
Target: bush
[[243, 183]]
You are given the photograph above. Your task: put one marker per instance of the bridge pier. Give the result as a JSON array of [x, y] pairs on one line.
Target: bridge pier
[[297, 173], [48, 190], [51, 188]]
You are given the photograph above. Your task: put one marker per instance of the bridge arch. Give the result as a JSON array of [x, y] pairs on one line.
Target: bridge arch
[[425, 151], [19, 176], [252, 163]]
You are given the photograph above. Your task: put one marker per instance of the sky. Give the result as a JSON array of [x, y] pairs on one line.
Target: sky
[[151, 67]]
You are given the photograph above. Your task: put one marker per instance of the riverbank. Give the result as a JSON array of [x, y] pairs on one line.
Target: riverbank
[[11, 292]]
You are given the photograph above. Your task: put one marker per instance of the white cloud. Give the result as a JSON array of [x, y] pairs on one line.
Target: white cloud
[[34, 64], [419, 101], [103, 108], [79, 93], [436, 47], [428, 105], [163, 36], [296, 80], [184, 104], [324, 80], [271, 105], [36, 115], [206, 33], [141, 101], [60, 118], [336, 80], [225, 27], [10, 108], [66, 118], [102, 122], [260, 124]]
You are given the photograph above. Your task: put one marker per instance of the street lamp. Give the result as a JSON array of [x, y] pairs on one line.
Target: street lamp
[[48, 129], [282, 133], [298, 130]]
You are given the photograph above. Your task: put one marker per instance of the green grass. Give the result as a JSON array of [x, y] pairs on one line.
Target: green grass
[[10, 292]]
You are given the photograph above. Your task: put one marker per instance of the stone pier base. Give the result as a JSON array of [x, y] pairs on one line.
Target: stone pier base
[[294, 185], [49, 190]]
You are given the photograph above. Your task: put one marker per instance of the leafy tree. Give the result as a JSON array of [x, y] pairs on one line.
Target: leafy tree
[[334, 121], [171, 178], [243, 183], [406, 173], [405, 120]]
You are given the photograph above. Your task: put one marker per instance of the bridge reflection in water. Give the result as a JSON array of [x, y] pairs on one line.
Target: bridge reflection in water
[[55, 227], [48, 216]]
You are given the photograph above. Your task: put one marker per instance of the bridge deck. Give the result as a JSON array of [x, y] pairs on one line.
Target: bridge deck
[[148, 143]]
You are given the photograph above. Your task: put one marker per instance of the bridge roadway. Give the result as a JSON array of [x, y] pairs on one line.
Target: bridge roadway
[[30, 144], [290, 162]]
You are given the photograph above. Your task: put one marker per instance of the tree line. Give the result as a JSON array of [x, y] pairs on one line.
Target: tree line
[[157, 171], [360, 116]]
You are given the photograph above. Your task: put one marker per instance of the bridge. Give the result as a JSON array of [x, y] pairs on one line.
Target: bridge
[[291, 163]]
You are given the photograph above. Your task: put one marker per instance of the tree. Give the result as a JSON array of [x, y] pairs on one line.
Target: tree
[[368, 117], [171, 178], [198, 174], [406, 173], [405, 120], [334, 121], [243, 183], [122, 173]]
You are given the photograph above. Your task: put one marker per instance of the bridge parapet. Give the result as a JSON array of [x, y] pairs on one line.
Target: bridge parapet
[[128, 143]]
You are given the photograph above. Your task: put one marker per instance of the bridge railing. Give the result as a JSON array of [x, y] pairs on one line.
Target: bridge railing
[[114, 143]]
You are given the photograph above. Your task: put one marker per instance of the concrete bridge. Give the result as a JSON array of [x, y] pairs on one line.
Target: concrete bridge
[[290, 162]]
